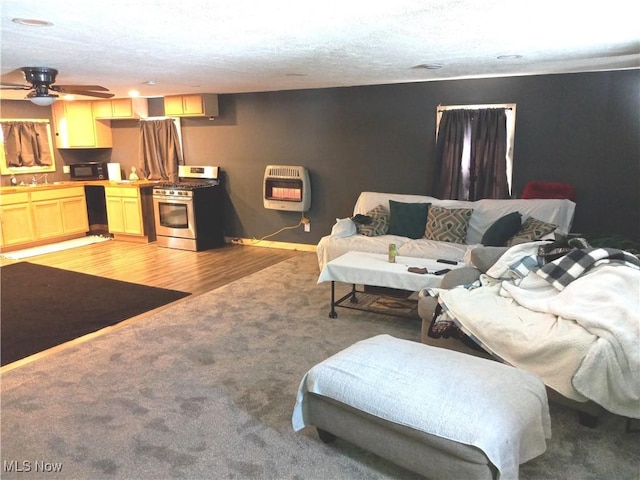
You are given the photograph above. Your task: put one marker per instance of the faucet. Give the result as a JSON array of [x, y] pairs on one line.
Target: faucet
[[34, 179]]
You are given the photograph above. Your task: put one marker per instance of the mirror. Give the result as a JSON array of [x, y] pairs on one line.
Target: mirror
[[28, 152]]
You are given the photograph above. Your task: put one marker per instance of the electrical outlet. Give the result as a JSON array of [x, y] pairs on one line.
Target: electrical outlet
[[307, 227], [66, 169]]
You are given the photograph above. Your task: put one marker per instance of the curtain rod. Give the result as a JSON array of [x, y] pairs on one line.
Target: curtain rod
[[495, 108], [33, 120]]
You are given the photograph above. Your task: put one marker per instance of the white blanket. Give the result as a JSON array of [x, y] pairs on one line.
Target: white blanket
[[584, 340], [499, 409]]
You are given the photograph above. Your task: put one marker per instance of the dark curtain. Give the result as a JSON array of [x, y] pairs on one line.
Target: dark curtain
[[488, 144], [159, 152], [449, 146], [26, 144], [488, 154]]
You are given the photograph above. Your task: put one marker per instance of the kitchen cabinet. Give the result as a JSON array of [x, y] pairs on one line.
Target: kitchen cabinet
[[130, 213], [41, 215], [191, 105], [76, 126], [59, 212], [16, 223], [121, 108]]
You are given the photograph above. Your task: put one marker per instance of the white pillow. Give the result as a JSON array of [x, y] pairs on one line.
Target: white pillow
[[344, 227]]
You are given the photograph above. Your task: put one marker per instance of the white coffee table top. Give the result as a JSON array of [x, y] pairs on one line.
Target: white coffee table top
[[374, 269]]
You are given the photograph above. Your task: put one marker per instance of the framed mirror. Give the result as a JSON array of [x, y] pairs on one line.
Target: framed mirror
[[27, 146]]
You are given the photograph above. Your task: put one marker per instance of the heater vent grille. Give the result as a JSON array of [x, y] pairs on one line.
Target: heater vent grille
[[286, 188], [284, 172]]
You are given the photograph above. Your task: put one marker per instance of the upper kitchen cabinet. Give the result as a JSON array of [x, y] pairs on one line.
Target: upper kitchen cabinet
[[192, 105], [121, 108], [76, 126]]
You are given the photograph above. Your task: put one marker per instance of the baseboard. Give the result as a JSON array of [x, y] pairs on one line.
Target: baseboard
[[271, 244]]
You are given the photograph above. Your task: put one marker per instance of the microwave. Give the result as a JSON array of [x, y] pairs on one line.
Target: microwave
[[89, 171]]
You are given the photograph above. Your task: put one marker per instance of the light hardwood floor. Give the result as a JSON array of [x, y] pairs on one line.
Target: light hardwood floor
[[148, 264]]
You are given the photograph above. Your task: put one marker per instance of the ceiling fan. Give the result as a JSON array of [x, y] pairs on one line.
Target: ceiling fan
[[42, 80]]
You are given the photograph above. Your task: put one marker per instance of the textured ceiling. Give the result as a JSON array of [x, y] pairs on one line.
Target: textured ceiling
[[235, 46]]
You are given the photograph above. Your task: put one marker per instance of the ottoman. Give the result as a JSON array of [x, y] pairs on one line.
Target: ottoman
[[437, 412]]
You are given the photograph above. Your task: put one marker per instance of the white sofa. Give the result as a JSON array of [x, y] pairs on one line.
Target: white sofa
[[485, 213]]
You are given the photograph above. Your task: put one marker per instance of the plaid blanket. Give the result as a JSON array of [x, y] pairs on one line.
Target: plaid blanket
[[563, 271]]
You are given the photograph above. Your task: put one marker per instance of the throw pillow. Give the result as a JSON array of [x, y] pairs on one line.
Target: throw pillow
[[532, 229], [447, 224], [502, 230], [379, 223], [407, 219], [344, 227]]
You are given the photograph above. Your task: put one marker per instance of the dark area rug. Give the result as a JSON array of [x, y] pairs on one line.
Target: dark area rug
[[42, 307]]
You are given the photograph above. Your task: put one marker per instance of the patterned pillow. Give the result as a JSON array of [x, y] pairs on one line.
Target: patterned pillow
[[379, 223], [447, 224], [532, 229]]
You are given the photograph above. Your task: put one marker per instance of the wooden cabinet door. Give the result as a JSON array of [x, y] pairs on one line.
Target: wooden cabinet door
[[132, 211], [80, 124], [115, 215], [102, 109], [122, 108], [173, 105], [17, 225], [47, 218], [192, 105], [76, 126], [74, 215]]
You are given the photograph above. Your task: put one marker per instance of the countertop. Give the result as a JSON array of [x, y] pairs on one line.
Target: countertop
[[67, 184]]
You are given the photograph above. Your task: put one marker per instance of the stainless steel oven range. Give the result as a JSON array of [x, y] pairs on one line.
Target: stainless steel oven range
[[189, 213]]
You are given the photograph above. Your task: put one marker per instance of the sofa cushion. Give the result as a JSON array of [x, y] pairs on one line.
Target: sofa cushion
[[379, 223], [483, 258], [502, 230], [408, 219], [447, 224], [532, 229]]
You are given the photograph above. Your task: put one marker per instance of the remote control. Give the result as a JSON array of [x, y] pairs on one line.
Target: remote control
[[442, 272], [450, 262]]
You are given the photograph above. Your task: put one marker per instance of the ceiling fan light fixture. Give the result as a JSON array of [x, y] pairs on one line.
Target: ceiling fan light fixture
[[42, 100]]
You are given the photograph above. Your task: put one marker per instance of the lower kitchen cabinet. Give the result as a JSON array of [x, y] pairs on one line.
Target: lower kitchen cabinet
[[42, 216], [130, 213], [59, 212], [16, 223]]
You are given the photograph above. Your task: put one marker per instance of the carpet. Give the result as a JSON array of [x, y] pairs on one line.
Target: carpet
[[42, 307], [205, 389]]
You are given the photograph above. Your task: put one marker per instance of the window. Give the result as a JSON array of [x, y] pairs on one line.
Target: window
[[465, 163]]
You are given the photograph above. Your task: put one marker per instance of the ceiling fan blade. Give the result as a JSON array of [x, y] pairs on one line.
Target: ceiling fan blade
[[63, 88], [15, 86], [85, 92]]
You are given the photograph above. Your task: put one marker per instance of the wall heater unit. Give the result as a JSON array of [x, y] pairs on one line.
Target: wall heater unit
[[286, 187]]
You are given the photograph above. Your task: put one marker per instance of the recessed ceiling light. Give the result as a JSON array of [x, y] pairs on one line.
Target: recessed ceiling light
[[32, 22], [508, 57], [295, 74], [150, 82], [428, 66], [134, 93]]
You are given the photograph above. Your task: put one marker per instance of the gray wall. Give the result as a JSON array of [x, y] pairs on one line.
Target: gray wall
[[582, 129]]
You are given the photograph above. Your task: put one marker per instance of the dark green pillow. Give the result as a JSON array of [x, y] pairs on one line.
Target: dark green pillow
[[502, 230], [408, 219]]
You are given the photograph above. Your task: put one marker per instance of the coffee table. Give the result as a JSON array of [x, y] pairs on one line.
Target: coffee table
[[374, 269]]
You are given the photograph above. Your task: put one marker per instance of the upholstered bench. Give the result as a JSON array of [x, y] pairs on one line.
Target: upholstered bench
[[437, 412]]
